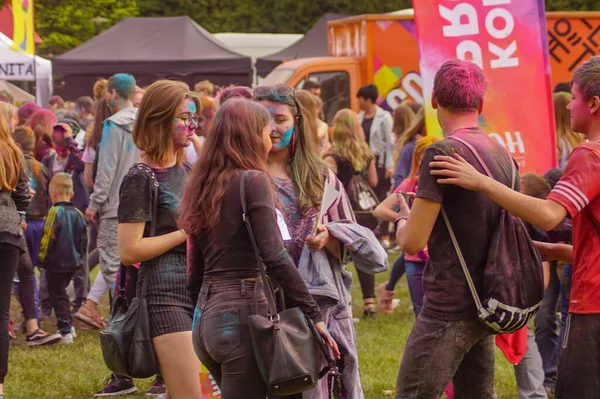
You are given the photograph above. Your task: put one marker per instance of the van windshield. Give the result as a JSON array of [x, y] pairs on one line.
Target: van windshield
[[278, 76]]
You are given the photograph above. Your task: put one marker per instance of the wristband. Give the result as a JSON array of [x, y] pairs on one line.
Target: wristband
[[398, 221]]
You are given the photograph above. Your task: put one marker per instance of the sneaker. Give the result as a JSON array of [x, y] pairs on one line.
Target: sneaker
[[73, 332], [385, 299], [158, 387], [92, 317], [40, 337], [115, 386], [67, 339]]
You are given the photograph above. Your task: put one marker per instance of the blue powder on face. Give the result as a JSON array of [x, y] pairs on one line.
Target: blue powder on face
[[286, 139], [192, 107]]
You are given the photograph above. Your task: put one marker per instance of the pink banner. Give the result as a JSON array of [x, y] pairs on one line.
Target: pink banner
[[508, 40]]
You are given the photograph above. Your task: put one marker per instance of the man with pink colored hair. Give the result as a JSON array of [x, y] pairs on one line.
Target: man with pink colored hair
[[448, 342], [577, 194]]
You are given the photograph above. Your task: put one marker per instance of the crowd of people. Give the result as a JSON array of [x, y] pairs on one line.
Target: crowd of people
[[148, 184]]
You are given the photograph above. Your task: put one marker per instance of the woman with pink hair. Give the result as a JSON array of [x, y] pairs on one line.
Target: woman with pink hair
[[42, 122]]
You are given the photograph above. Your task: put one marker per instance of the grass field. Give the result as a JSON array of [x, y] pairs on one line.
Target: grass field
[[77, 371]]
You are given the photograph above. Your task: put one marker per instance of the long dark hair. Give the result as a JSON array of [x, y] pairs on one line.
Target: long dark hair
[[102, 113], [234, 143]]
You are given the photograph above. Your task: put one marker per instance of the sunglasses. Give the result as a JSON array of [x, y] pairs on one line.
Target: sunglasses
[[275, 92]]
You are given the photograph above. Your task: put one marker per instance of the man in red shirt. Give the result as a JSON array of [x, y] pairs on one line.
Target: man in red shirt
[[577, 194]]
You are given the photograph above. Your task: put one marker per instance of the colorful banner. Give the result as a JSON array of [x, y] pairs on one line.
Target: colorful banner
[[23, 38], [210, 389], [508, 40]]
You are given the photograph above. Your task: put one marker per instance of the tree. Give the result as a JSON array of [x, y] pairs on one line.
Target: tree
[[66, 24]]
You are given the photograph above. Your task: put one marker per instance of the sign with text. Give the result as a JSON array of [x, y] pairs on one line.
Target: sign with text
[[16, 70], [508, 40]]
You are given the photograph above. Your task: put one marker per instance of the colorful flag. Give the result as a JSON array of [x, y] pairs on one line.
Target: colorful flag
[[508, 40], [23, 25]]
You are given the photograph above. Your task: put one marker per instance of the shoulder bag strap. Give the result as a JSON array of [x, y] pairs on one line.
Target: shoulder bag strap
[[152, 175], [263, 275]]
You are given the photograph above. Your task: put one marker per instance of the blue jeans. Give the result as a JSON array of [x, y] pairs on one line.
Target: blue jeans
[[546, 328], [414, 277], [398, 270]]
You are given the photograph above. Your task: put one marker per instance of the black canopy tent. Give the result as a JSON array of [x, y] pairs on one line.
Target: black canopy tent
[[151, 49], [313, 44]]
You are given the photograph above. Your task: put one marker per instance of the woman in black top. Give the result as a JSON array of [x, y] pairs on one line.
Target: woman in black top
[[14, 196], [165, 125], [222, 264]]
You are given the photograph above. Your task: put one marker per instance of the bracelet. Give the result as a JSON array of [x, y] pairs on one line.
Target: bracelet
[[398, 221]]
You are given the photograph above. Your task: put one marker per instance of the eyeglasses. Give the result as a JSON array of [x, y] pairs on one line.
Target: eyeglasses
[[276, 92], [189, 120]]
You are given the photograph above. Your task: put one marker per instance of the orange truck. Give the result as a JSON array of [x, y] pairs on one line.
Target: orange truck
[[382, 49]]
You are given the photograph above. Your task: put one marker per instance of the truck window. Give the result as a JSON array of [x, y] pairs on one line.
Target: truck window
[[335, 91], [278, 76]]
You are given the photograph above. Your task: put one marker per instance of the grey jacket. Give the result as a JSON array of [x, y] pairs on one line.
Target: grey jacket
[[116, 154], [382, 137], [329, 282], [11, 203]]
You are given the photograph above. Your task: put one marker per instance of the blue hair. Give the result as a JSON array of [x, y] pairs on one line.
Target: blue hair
[[123, 84]]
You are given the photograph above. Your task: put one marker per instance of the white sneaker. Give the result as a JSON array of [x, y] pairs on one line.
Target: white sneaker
[[73, 333], [67, 339]]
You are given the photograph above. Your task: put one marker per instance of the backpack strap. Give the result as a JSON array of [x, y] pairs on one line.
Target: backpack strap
[[461, 258], [484, 165]]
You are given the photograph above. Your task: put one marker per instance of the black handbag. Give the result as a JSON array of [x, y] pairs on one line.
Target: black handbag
[[290, 353], [126, 344]]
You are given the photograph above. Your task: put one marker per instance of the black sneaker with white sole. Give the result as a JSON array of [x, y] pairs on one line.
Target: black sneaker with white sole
[[117, 385], [40, 337]]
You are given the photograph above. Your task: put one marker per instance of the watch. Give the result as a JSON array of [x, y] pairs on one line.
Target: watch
[[398, 221]]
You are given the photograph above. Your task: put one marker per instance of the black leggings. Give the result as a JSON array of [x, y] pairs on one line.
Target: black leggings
[[9, 258], [367, 284], [27, 286]]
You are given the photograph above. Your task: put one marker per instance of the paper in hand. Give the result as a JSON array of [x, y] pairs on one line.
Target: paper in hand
[[283, 229], [330, 194]]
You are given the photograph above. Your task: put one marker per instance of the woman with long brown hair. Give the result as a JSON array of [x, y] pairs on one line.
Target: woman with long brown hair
[[566, 139], [165, 124], [221, 258], [406, 142], [15, 197]]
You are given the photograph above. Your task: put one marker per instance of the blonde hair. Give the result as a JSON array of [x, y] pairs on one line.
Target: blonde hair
[[349, 140], [62, 184], [403, 117], [99, 89], [420, 147], [308, 101], [8, 112], [11, 158], [563, 123], [206, 86], [416, 127], [152, 131]]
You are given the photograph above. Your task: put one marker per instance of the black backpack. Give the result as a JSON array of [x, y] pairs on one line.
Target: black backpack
[[363, 201], [513, 282]]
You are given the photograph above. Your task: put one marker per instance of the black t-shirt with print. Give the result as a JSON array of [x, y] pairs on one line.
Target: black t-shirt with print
[[473, 217], [137, 192]]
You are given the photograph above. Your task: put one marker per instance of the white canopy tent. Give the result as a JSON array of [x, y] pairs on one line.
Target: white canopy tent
[[18, 66]]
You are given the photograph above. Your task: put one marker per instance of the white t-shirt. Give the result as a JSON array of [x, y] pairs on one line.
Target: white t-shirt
[[89, 155], [58, 166]]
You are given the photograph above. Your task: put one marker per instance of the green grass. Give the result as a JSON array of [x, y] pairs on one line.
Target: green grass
[[77, 371]]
